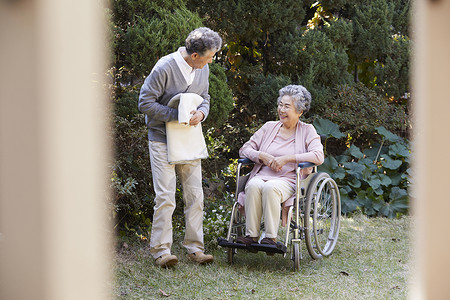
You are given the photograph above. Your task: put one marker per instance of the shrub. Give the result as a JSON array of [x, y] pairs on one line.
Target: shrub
[[358, 110], [130, 173], [217, 217], [125, 102], [263, 94], [221, 97], [147, 30], [375, 180]]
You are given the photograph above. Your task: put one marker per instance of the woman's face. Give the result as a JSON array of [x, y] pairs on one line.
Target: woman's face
[[287, 113]]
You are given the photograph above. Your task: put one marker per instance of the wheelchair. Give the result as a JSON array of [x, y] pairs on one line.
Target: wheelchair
[[314, 218]]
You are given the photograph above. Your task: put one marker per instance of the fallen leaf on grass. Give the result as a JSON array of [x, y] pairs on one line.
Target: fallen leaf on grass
[[163, 293], [344, 273]]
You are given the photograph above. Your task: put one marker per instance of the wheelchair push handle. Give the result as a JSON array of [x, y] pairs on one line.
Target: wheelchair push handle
[[302, 165]]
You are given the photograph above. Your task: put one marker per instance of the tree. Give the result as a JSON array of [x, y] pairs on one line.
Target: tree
[[380, 48], [252, 31], [146, 30]]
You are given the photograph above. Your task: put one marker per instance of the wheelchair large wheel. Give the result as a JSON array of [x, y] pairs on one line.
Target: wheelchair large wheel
[[322, 215]]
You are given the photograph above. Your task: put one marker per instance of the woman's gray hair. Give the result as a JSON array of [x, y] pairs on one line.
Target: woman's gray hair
[[300, 95], [202, 40]]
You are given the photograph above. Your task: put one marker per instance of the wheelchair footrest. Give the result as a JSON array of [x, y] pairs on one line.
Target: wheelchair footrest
[[255, 247], [225, 243], [278, 248]]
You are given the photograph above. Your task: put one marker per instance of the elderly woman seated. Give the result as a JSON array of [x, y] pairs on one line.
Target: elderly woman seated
[[277, 148]]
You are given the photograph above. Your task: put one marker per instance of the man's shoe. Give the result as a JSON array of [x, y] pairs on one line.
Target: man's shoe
[[200, 257], [166, 260]]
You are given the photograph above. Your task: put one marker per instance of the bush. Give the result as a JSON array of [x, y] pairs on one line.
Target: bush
[[131, 174], [358, 111], [263, 94], [221, 97], [125, 103], [318, 64], [147, 30], [374, 181], [217, 218]]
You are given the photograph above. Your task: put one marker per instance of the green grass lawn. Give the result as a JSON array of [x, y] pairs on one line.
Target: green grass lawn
[[372, 260]]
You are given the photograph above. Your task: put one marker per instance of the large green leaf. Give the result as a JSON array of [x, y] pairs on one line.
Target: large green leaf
[[387, 134], [385, 180], [379, 191], [398, 150], [378, 202], [374, 182], [331, 166], [362, 199], [345, 189], [347, 204], [372, 152], [369, 164], [327, 128], [343, 158], [395, 177], [355, 183], [387, 211], [398, 203], [390, 163], [368, 203], [355, 169], [399, 196], [355, 152]]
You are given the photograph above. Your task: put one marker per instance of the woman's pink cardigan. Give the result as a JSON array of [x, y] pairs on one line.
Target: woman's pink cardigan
[[308, 148]]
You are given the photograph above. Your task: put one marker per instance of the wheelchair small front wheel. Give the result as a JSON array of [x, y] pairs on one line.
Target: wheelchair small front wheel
[[322, 215], [296, 256], [230, 254]]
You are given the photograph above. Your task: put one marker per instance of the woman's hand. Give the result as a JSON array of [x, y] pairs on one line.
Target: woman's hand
[[265, 158], [277, 163]]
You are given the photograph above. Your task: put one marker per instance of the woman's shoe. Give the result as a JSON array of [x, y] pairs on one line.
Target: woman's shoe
[[247, 240], [268, 241]]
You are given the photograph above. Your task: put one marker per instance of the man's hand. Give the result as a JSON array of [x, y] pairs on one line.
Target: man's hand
[[197, 117]]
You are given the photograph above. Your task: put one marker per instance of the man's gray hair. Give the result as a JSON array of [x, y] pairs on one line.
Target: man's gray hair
[[300, 95], [202, 40]]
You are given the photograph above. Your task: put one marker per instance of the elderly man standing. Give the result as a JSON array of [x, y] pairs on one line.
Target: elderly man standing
[[184, 71]]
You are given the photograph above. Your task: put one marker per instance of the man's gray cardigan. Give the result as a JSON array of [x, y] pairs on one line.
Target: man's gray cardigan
[[164, 82]]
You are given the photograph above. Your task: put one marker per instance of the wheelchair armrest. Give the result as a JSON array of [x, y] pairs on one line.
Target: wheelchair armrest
[[245, 161], [302, 165], [306, 164]]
